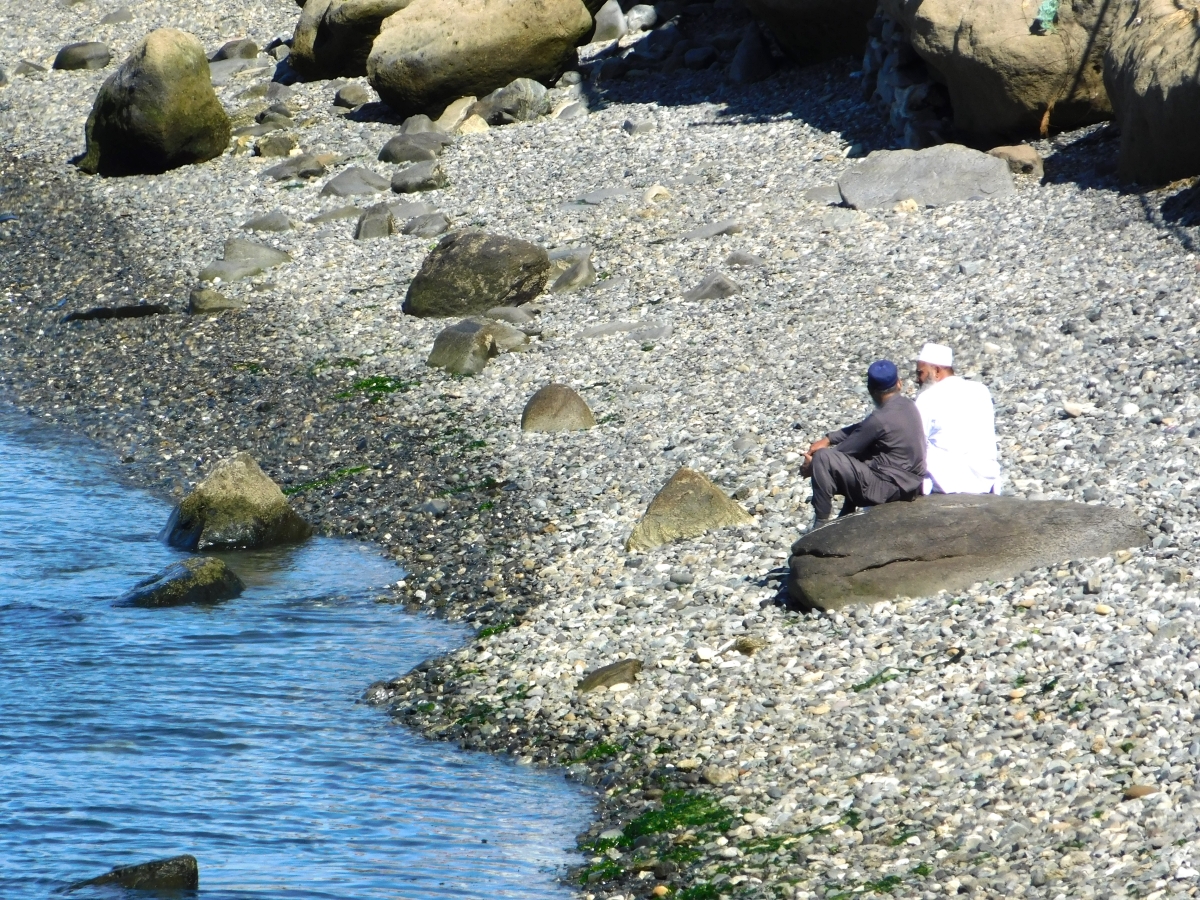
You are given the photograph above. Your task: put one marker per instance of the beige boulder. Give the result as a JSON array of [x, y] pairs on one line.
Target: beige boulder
[[1150, 71], [433, 52], [557, 408], [814, 30], [688, 505], [236, 507], [1005, 70], [1021, 158], [333, 37], [463, 348]]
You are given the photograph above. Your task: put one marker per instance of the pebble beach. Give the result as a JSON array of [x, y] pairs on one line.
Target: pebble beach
[[1029, 738]]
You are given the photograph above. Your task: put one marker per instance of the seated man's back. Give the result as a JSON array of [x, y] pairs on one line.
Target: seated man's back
[[960, 429]]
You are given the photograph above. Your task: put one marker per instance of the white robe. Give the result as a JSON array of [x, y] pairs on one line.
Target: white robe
[[960, 437]]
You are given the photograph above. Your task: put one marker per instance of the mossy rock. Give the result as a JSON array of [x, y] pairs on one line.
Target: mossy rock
[[158, 111], [203, 579], [688, 506], [472, 271], [236, 507]]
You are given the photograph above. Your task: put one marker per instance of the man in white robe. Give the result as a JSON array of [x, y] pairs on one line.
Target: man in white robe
[[961, 455]]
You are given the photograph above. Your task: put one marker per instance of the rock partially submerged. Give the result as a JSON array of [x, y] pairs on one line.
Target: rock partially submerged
[[472, 271], [236, 507], [158, 111], [948, 542], [177, 873], [202, 579], [934, 177], [688, 505]]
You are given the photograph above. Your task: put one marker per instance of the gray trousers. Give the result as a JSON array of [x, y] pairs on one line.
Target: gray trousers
[[836, 473]]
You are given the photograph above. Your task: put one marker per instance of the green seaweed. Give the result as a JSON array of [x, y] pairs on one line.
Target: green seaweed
[[702, 891], [376, 387], [339, 475], [603, 750], [680, 809], [492, 630]]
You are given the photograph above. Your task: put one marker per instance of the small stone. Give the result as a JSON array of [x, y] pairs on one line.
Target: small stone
[[375, 222], [727, 226], [417, 124], [422, 176], [354, 181], [473, 125], [464, 348], [611, 24], [242, 48], [1073, 410], [276, 145], [273, 221], [241, 259], [205, 301], [1139, 790], [700, 57], [1103, 609], [121, 16], [436, 506], [654, 194], [427, 225], [660, 890], [578, 275], [715, 775], [353, 96], [715, 286], [28, 67], [304, 165], [634, 128], [623, 672], [333, 215], [454, 115], [83, 55], [1022, 159], [642, 17], [744, 259], [419, 147], [576, 109]]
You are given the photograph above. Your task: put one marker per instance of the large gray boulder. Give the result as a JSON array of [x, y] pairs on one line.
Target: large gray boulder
[[202, 579], [1150, 71], [472, 271], [936, 176], [236, 507], [1008, 71], [157, 111], [947, 542], [178, 873], [333, 37], [433, 52], [815, 30], [688, 506]]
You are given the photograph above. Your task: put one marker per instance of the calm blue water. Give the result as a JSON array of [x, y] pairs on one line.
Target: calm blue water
[[230, 732]]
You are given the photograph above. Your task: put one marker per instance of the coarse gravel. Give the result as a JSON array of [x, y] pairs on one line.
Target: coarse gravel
[[979, 743]]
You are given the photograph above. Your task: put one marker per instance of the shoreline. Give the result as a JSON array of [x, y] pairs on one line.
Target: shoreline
[[975, 743]]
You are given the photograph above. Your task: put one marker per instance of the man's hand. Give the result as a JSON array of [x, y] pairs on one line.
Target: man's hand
[[806, 468]]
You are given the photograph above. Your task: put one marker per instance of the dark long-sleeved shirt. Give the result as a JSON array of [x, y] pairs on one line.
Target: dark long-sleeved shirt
[[891, 441]]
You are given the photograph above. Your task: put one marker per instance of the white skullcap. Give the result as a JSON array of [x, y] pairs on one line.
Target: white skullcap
[[937, 355]]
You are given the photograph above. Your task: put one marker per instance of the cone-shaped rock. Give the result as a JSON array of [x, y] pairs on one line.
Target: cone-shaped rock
[[688, 506], [557, 408], [236, 507], [158, 111]]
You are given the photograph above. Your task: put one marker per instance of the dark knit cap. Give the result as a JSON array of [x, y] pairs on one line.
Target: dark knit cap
[[882, 376]]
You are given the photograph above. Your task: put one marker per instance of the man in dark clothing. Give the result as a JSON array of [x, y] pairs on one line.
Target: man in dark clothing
[[879, 460]]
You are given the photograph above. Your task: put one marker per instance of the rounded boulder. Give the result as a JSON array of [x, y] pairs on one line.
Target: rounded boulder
[[472, 271], [433, 52], [557, 407]]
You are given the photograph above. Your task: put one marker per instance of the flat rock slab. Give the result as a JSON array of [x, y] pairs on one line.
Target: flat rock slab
[[202, 579], [948, 542], [949, 173], [623, 672]]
